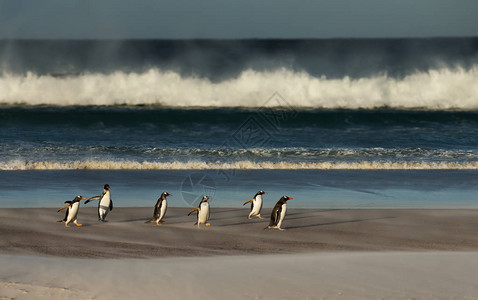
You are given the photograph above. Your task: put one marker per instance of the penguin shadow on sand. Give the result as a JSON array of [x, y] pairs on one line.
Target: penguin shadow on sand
[[168, 220], [302, 217], [246, 222], [137, 220], [314, 211], [335, 223]]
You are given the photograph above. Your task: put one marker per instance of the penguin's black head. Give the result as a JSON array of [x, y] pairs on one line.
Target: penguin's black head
[[285, 198], [166, 194], [261, 192], [78, 198], [106, 187], [205, 198]]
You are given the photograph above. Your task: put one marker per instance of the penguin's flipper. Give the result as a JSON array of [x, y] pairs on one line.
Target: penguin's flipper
[[248, 201], [193, 211], [64, 207], [111, 204], [275, 215], [157, 210], [93, 199], [69, 202]]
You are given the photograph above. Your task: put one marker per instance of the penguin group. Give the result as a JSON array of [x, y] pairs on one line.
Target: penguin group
[[105, 205]]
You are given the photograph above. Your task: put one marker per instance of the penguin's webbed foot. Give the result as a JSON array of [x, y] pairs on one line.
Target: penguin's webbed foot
[[259, 216], [66, 225], [208, 224], [281, 229], [248, 217]]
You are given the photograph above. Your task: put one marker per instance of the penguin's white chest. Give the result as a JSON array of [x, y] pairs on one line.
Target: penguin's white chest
[[282, 215], [73, 212], [203, 214], [104, 205], [105, 201], [257, 205], [164, 206]]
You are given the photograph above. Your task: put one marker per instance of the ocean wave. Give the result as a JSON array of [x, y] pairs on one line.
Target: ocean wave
[[440, 89], [19, 165], [306, 155]]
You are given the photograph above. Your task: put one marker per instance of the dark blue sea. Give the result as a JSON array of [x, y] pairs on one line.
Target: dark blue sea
[[360, 123]]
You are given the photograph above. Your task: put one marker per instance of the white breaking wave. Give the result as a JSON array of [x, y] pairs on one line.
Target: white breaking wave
[[237, 165], [436, 89]]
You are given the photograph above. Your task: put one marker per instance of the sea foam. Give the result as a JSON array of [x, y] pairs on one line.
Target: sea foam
[[236, 165], [439, 89]]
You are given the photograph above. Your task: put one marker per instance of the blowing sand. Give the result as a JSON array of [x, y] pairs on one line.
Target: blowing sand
[[293, 276], [323, 254]]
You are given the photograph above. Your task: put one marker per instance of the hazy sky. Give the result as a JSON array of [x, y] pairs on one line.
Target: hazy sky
[[237, 19]]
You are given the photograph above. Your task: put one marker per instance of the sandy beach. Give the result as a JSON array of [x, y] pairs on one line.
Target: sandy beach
[[323, 254], [36, 232]]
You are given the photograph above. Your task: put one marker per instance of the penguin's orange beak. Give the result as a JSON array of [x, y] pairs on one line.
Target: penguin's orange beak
[[82, 198], [265, 193], [291, 198], [208, 197]]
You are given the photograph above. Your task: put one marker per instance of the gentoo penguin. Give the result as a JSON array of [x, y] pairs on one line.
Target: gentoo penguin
[[160, 209], [72, 212], [203, 212], [278, 213], [256, 205], [105, 204]]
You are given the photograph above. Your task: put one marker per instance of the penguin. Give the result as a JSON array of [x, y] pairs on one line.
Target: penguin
[[105, 204], [160, 209], [203, 212], [278, 213], [72, 212], [256, 205]]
